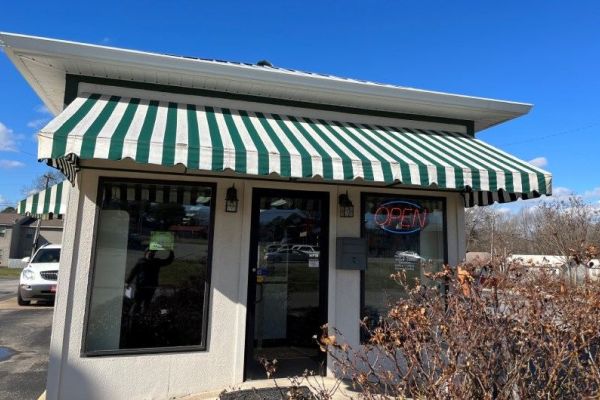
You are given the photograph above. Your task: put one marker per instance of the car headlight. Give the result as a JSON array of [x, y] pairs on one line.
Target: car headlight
[[28, 274]]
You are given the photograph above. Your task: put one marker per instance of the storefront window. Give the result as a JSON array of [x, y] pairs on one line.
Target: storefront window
[[150, 284], [405, 236]]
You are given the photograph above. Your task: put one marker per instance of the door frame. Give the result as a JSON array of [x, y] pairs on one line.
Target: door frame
[[257, 193]]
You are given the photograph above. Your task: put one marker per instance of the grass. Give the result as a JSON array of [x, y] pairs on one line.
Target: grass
[[10, 272]]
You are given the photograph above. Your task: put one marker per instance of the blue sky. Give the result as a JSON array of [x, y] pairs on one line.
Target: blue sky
[[541, 52]]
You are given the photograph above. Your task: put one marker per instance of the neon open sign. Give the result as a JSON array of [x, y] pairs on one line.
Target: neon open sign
[[401, 217]]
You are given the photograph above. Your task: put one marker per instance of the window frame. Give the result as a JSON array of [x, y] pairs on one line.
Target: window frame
[[399, 196], [203, 346]]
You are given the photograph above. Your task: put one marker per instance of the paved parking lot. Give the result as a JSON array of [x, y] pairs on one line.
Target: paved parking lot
[[24, 342]]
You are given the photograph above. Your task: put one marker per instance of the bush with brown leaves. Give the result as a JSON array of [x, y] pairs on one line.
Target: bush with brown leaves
[[515, 335]]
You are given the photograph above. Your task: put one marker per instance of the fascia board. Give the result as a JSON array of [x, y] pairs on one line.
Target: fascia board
[[494, 110]]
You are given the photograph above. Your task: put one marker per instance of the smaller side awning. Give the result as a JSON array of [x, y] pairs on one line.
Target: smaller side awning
[[52, 200]]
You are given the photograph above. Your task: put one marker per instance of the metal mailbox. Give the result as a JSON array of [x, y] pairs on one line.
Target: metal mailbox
[[351, 253]]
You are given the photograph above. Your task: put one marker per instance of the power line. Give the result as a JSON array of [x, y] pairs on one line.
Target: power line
[[575, 130]]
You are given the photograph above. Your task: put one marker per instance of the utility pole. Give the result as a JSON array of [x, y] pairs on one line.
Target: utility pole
[[36, 236]]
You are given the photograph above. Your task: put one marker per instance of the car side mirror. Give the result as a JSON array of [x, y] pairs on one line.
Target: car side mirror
[[25, 260]]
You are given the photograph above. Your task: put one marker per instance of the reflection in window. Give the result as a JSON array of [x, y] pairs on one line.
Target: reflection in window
[[150, 279], [404, 236]]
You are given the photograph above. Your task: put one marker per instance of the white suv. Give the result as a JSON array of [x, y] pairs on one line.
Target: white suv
[[38, 278]]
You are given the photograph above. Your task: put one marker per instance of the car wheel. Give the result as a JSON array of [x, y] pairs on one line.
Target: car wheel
[[20, 300]]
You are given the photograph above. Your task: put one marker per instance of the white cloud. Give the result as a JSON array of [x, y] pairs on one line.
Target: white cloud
[[42, 109], [561, 191], [595, 192], [539, 162], [37, 123], [106, 40], [8, 139], [10, 164]]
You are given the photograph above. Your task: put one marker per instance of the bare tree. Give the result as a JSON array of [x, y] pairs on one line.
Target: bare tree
[[50, 178]]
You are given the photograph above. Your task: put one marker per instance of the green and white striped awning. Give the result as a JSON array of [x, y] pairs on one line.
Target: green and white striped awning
[[52, 200], [216, 139]]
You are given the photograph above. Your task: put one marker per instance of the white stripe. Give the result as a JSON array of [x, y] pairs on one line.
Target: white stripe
[[29, 205], [337, 162], [205, 142], [181, 138], [296, 158], [483, 159], [102, 147], [131, 138], [407, 137], [52, 205], [45, 146], [274, 155], [64, 198], [375, 164], [357, 166], [228, 147], [316, 159], [158, 134], [74, 139], [251, 151], [432, 153]]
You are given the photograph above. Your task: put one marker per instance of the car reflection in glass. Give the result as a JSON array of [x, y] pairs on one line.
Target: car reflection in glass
[[287, 255]]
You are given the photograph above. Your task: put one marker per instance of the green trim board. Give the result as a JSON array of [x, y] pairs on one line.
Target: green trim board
[[209, 138]]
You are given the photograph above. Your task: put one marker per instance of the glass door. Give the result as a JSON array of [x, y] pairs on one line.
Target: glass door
[[287, 293]]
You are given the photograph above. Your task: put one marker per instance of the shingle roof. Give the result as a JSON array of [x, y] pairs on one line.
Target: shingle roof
[[9, 218]]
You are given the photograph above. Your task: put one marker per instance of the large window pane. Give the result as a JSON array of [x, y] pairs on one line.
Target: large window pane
[[404, 236], [151, 273]]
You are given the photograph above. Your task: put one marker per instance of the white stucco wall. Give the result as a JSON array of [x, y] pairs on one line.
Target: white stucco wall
[[162, 376]]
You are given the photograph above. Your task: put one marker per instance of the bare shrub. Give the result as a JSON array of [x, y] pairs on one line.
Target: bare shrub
[[512, 335]]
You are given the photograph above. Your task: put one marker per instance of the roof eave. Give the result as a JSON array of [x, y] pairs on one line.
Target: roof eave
[[486, 112]]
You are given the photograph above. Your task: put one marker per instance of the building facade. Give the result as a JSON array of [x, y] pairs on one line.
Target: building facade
[[221, 213]]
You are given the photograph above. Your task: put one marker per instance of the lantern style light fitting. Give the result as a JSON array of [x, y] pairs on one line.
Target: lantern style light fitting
[[231, 200], [346, 206]]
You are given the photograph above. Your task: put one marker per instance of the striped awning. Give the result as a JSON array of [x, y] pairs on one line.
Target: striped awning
[[216, 139], [52, 200]]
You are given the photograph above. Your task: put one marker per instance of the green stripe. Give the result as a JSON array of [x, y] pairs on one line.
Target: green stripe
[[471, 146], [346, 161], [170, 138], [115, 152], [493, 152], [385, 164], [59, 139], [22, 205], [366, 163], [34, 203], [47, 194], [397, 143], [440, 152], [305, 156], [193, 160], [238, 143], [88, 144], [325, 156], [466, 158], [143, 143], [263, 152], [58, 200], [215, 138], [284, 155], [404, 167]]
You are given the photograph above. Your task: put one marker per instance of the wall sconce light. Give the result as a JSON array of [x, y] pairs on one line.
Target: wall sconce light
[[231, 200], [346, 206]]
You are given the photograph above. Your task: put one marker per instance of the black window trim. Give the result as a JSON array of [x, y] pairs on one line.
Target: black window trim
[[204, 346], [363, 199]]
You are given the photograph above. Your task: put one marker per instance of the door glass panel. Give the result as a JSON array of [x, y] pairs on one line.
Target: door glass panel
[[287, 312]]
